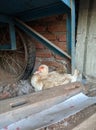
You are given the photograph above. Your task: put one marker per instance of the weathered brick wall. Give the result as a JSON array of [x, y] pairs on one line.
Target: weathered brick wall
[[54, 29]]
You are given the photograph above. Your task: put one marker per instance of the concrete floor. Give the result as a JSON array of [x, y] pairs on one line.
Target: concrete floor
[[88, 124]]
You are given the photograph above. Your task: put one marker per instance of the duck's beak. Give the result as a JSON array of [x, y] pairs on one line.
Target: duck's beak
[[37, 72]]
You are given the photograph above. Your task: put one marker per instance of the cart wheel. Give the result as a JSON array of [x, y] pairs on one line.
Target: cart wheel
[[18, 64]]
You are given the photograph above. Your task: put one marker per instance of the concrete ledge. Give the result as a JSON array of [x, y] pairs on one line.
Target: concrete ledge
[[89, 124]]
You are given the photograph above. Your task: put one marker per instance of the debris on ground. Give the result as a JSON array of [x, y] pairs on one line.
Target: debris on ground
[[16, 89]]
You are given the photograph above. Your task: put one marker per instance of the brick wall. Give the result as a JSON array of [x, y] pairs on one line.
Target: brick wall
[[54, 29]]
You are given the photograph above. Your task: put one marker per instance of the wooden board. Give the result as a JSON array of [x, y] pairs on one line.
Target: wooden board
[[36, 102], [51, 115]]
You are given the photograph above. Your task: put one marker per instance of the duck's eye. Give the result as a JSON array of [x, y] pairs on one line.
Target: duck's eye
[[41, 68]]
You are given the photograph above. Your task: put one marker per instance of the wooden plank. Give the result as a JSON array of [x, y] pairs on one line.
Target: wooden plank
[[53, 114], [36, 102], [64, 90]]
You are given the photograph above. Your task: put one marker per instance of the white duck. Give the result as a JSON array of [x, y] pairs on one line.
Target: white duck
[[43, 79], [38, 76]]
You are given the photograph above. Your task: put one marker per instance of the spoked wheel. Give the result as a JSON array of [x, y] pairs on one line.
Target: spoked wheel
[[17, 64]]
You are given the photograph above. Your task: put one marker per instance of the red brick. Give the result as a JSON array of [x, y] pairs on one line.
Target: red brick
[[48, 19], [61, 45], [39, 45], [60, 27], [54, 19], [61, 37], [50, 36], [61, 17], [59, 57], [64, 17], [39, 28], [43, 53], [54, 29], [51, 63]]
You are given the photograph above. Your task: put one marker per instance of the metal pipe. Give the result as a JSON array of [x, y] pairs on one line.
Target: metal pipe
[[73, 34], [68, 33]]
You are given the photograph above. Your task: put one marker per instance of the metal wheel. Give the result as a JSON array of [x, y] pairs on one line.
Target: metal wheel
[[17, 64]]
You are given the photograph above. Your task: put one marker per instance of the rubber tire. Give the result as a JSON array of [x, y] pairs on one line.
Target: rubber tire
[[31, 55], [28, 60]]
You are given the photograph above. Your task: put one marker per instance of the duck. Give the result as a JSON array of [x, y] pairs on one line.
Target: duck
[[38, 76], [43, 79]]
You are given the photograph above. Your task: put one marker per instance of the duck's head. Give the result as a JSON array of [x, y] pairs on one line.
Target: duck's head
[[42, 70]]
